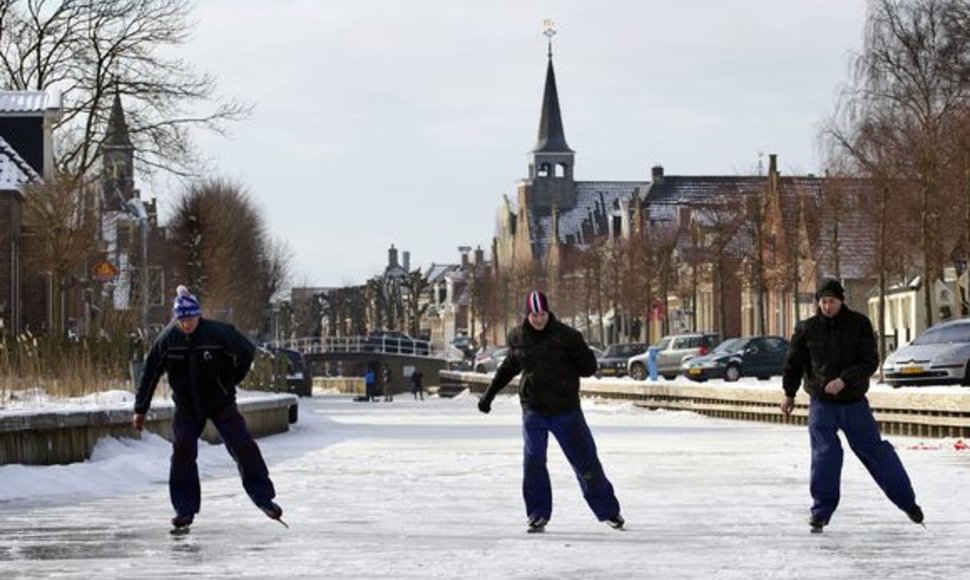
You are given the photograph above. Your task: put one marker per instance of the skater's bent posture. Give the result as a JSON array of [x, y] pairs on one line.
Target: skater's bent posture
[[551, 357], [835, 351], [205, 360]]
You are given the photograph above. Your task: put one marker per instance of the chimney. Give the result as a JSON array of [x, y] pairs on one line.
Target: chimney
[[657, 174], [464, 255], [773, 164], [392, 256], [406, 261], [479, 256]]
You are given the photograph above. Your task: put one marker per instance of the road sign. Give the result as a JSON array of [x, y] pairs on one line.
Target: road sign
[[105, 271]]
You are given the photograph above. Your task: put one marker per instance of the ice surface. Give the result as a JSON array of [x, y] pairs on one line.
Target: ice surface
[[419, 490]]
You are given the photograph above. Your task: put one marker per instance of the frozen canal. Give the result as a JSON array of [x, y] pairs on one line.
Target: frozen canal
[[432, 490]]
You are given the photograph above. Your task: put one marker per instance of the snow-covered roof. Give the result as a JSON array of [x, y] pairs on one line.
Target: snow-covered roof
[[28, 102], [14, 171], [437, 272], [596, 202]]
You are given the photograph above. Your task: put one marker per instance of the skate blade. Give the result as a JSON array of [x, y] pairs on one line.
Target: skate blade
[[284, 524], [179, 531]]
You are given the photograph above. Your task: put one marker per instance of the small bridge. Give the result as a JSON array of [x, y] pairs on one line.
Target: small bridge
[[351, 356]]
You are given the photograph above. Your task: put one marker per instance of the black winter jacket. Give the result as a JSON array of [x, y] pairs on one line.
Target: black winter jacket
[[203, 367], [823, 349], [551, 362]]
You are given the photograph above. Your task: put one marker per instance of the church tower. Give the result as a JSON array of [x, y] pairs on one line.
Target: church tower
[[117, 161], [551, 161]]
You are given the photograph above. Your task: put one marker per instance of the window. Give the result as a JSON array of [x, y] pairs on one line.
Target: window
[[774, 344], [156, 286]]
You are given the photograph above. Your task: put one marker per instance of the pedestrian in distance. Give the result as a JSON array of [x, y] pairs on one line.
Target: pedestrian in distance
[[204, 360], [387, 384], [416, 386], [370, 384], [551, 357], [832, 355]]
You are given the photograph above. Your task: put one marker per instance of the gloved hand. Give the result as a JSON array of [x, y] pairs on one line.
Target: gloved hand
[[484, 405]]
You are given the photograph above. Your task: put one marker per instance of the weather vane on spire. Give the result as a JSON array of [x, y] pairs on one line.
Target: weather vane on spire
[[550, 31]]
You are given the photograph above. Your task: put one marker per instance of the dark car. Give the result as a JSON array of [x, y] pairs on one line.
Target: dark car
[[613, 361], [298, 379], [394, 342], [750, 356]]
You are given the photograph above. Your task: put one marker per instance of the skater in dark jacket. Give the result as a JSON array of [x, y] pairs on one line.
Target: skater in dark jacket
[[835, 353], [205, 360], [552, 357], [416, 386]]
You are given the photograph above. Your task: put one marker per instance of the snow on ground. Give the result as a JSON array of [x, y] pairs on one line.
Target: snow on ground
[[431, 490]]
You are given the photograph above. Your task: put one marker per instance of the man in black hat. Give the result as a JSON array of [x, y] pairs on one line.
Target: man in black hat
[[835, 352], [551, 357]]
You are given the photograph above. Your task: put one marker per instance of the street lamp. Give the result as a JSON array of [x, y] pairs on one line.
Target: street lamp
[[136, 208]]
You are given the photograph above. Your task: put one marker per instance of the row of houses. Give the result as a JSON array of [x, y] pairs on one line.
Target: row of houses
[[811, 227]]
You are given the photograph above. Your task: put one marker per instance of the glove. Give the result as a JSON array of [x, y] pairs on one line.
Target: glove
[[484, 405]]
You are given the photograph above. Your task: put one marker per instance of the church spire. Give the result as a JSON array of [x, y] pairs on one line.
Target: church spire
[[117, 131], [117, 160], [552, 138], [551, 161]]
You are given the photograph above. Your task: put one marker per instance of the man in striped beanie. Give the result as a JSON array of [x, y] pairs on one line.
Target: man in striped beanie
[[204, 360], [551, 357]]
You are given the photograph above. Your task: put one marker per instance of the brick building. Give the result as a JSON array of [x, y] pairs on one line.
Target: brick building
[[26, 122]]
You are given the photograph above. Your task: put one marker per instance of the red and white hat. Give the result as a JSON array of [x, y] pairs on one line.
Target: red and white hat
[[536, 302]]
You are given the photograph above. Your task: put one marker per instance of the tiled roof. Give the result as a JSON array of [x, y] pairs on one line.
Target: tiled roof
[[689, 189], [856, 231], [14, 171], [596, 201], [28, 101], [437, 272]]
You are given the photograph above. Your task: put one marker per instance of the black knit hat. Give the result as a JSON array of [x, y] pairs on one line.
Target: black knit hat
[[830, 287]]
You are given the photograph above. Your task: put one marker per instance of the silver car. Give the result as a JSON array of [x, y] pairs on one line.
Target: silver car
[[939, 356], [490, 360], [672, 351]]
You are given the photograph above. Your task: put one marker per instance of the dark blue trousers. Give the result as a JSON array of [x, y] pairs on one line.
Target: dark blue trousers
[[861, 431], [577, 444], [183, 479]]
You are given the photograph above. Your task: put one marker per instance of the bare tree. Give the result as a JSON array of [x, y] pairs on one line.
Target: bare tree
[[225, 254], [61, 224], [415, 285], [93, 49], [910, 80], [720, 220]]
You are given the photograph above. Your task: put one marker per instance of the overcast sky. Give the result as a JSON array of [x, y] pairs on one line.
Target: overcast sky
[[380, 122]]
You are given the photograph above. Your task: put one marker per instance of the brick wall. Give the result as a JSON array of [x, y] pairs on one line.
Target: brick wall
[[11, 206]]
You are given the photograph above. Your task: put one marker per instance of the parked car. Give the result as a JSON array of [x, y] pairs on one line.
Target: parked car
[[750, 356], [938, 356], [394, 342], [298, 379], [489, 359], [464, 343], [672, 351], [613, 361]]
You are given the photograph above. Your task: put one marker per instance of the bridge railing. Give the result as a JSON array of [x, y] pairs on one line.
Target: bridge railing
[[362, 344]]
